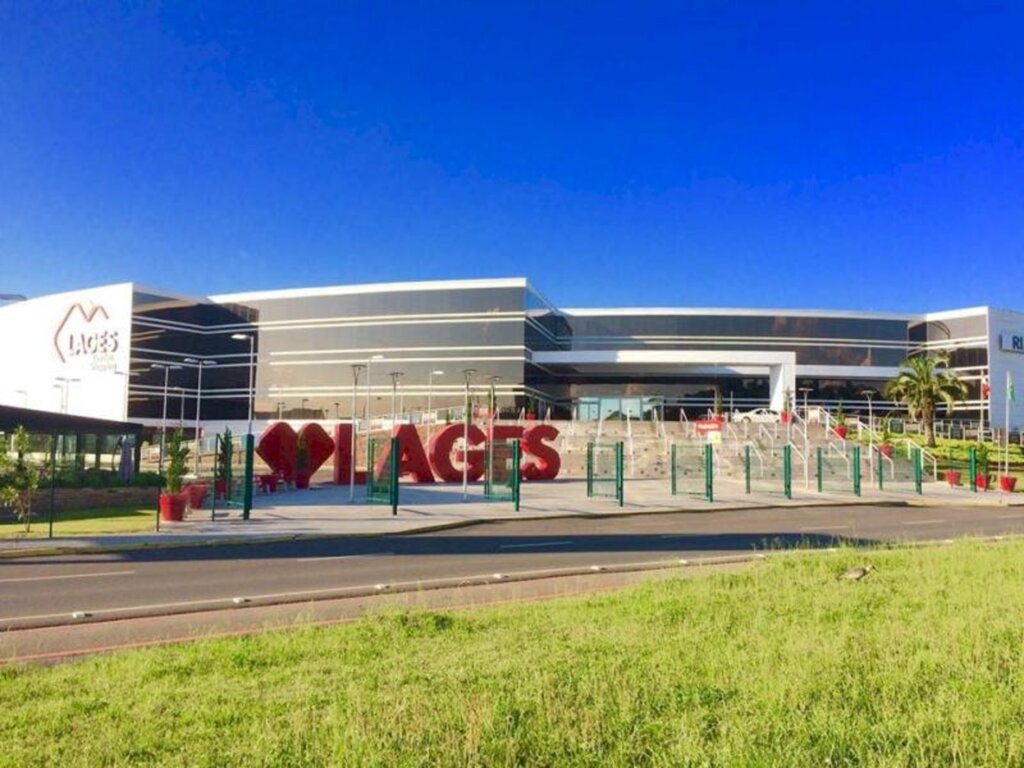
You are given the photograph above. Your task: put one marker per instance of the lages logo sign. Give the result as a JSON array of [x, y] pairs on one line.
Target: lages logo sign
[[86, 333]]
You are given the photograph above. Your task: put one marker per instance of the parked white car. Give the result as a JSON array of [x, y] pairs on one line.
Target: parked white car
[[756, 416]]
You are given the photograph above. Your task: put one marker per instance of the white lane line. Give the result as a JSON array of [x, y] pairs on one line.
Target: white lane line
[[825, 528], [341, 557], [536, 544], [923, 522], [67, 576]]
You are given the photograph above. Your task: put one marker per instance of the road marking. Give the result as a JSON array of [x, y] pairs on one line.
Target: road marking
[[341, 557], [67, 576], [923, 522], [825, 528], [536, 544]]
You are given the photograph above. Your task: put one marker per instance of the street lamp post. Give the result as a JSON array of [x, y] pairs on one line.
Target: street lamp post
[[280, 409], [163, 414], [356, 370], [395, 376], [369, 406], [805, 391], [65, 391], [302, 407], [336, 414], [251, 338], [200, 364], [869, 394], [468, 373], [430, 400]]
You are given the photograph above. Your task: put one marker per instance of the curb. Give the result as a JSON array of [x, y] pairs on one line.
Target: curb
[[255, 539]]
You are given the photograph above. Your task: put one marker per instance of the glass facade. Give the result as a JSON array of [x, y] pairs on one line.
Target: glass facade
[[414, 342]]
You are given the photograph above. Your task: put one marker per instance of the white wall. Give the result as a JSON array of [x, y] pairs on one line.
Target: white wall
[[84, 335], [1000, 322]]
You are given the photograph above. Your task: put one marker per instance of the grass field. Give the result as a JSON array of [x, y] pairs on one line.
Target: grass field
[[922, 663], [84, 522]]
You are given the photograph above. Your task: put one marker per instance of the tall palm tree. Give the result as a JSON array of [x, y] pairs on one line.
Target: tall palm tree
[[922, 383]]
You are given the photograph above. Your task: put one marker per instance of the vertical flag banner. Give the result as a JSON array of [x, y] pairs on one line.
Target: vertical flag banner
[[1011, 394]]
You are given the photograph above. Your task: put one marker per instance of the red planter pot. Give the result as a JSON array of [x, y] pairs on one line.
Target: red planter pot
[[172, 506], [841, 432], [785, 416], [196, 494], [885, 450], [1007, 483], [301, 480], [531, 417], [981, 481], [953, 478]]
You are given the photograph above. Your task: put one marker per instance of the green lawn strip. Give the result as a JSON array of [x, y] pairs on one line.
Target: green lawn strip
[[921, 663], [83, 522]]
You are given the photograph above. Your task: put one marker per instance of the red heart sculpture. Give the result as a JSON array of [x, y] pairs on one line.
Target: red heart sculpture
[[277, 446], [319, 446]]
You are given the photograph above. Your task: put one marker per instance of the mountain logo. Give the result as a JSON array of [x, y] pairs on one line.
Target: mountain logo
[[84, 333]]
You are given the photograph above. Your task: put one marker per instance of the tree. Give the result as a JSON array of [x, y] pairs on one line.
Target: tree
[[18, 479], [922, 383]]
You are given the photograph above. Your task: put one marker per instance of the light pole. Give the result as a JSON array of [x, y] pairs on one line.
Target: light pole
[[65, 391], [395, 376], [805, 391], [181, 406], [356, 370], [251, 338], [302, 407], [468, 373], [200, 364], [280, 409], [336, 414], [369, 406], [430, 401], [869, 394], [163, 414]]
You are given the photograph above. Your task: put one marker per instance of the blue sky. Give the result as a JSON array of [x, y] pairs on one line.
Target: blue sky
[[633, 154]]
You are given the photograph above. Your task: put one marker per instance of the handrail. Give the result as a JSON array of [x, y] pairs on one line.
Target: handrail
[[762, 430], [757, 452], [803, 457], [842, 455], [925, 454]]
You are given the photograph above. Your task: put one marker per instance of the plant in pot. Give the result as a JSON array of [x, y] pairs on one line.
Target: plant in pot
[[302, 463], [981, 458], [531, 406], [222, 478], [172, 500], [952, 475], [885, 447], [718, 408], [840, 417], [787, 406]]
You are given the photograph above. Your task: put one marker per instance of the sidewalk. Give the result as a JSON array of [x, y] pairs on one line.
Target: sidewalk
[[325, 511]]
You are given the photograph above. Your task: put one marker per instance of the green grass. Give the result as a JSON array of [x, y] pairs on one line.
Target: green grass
[[922, 663], [84, 522]]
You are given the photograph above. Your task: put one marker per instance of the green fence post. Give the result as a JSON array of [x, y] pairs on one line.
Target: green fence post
[[673, 455], [516, 479], [821, 464], [590, 469], [972, 468], [856, 470], [746, 467], [881, 470], [787, 471], [247, 488], [393, 476], [709, 472], [620, 465], [53, 486], [917, 471]]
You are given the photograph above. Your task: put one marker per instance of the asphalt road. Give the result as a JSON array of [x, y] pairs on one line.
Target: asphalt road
[[81, 590]]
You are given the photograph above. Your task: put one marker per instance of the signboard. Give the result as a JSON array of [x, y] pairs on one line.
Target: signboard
[[1012, 341], [68, 352]]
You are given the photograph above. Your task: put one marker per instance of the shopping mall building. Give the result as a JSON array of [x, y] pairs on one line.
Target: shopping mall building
[[128, 352]]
